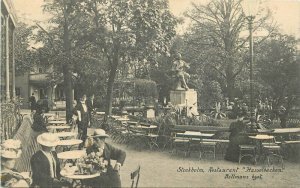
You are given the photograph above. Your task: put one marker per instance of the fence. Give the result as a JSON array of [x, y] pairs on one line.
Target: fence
[[10, 119]]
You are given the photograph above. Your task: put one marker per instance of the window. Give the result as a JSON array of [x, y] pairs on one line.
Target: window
[[40, 70]]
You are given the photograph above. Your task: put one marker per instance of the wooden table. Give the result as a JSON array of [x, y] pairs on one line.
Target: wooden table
[[65, 134], [67, 144], [77, 179], [145, 127], [260, 138], [193, 135], [49, 114], [71, 155], [57, 122], [100, 113], [58, 126]]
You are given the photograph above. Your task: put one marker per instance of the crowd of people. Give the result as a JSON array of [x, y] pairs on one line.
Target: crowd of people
[[45, 167]]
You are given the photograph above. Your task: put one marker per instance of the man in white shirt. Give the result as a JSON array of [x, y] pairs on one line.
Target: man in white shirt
[[45, 164]]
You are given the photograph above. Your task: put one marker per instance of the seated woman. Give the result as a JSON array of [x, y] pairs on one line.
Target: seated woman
[[39, 123], [45, 164], [10, 151]]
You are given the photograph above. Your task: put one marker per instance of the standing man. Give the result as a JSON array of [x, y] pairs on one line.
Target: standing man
[[111, 178], [83, 120], [90, 106], [32, 102]]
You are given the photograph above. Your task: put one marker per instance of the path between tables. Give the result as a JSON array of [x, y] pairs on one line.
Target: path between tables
[[162, 169]]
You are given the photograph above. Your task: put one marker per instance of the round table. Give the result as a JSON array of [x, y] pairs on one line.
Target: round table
[[77, 178], [100, 113], [69, 142], [122, 119], [74, 154], [65, 134], [80, 176], [58, 127], [146, 127], [57, 122], [262, 137]]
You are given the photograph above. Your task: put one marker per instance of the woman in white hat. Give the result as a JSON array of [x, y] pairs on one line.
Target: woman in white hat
[[10, 151], [45, 164], [111, 178]]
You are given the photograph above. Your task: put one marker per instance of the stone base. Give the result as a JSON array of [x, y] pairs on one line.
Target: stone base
[[183, 99]]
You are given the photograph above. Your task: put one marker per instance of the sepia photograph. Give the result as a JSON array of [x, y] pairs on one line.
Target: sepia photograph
[[150, 93]]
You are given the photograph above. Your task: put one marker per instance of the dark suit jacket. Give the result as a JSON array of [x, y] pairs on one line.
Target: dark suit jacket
[[89, 105], [41, 169], [84, 116], [90, 108], [109, 153]]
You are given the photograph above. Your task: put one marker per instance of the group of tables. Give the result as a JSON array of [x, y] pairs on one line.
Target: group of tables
[[266, 140], [59, 127], [195, 139], [140, 129]]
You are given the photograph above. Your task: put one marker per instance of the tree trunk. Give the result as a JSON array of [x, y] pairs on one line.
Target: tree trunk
[[111, 79], [68, 91], [110, 85], [68, 72], [230, 89]]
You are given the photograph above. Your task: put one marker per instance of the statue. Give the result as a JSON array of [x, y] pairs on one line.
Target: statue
[[178, 69]]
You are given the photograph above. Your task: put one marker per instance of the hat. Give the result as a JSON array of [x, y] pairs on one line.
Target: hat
[[11, 144], [11, 149], [99, 133], [48, 139], [11, 154]]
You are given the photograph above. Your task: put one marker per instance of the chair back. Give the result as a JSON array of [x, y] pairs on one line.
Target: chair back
[[135, 176]]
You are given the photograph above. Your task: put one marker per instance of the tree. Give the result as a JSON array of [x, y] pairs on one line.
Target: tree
[[214, 41], [59, 40], [24, 57], [279, 72], [128, 31]]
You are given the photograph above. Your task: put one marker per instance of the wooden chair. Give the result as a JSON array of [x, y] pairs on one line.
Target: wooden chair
[[135, 175], [247, 151]]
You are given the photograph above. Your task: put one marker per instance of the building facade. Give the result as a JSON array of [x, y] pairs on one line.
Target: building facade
[[41, 82], [8, 25]]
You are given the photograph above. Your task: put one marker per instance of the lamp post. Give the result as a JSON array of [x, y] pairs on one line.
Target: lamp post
[[250, 8]]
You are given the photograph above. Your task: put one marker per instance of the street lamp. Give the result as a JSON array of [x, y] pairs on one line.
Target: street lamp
[[250, 8]]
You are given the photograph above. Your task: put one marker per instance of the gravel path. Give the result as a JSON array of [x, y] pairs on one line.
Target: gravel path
[[162, 169]]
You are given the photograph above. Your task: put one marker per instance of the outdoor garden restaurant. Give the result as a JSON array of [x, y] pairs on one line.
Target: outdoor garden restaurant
[[259, 147]]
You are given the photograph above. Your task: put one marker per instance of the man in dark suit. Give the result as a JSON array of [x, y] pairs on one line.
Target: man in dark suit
[[32, 102], [111, 178], [45, 164], [83, 120], [90, 106]]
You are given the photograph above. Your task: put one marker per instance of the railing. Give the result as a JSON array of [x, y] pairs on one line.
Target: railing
[[10, 119]]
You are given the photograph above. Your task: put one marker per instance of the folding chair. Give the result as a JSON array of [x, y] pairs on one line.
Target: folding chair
[[135, 175]]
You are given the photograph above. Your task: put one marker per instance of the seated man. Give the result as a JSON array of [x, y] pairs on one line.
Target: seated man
[[111, 178], [45, 164]]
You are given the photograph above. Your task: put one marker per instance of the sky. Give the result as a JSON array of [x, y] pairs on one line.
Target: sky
[[285, 12]]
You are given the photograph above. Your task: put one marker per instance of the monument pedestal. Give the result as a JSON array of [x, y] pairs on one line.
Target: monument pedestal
[[183, 98]]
